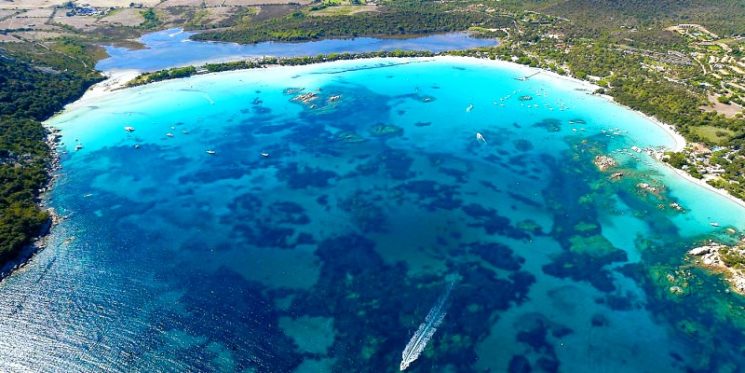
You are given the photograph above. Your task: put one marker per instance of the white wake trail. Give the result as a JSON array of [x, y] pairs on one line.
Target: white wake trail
[[426, 330]]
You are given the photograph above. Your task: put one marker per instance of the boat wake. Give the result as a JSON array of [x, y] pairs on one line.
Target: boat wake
[[426, 330]]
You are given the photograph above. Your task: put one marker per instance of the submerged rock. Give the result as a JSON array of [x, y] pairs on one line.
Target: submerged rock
[[595, 245], [549, 124], [350, 137], [292, 91], [386, 130]]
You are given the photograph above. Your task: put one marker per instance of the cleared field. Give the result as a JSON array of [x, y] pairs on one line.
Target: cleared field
[[344, 10], [78, 22], [254, 2], [6, 13], [180, 3], [211, 16], [713, 134], [40, 35], [121, 3], [21, 21], [37, 13], [31, 17], [8, 39], [729, 110], [30, 4], [122, 17]]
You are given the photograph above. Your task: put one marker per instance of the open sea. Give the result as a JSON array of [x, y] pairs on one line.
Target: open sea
[[341, 203]]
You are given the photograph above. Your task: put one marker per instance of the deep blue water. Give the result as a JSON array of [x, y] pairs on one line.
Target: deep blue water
[[326, 254], [170, 48]]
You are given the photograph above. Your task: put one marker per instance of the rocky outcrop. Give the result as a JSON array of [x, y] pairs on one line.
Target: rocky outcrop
[[604, 162], [306, 97], [729, 260], [648, 188]]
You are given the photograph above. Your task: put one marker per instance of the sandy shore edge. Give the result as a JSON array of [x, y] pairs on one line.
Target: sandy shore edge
[[114, 80], [705, 185], [679, 142], [117, 79]]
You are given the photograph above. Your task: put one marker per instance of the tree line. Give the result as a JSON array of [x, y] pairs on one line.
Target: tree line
[[29, 93]]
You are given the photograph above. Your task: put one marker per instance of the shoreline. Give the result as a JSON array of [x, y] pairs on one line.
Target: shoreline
[[31, 249], [40, 240], [678, 139], [115, 80], [118, 79], [704, 184]]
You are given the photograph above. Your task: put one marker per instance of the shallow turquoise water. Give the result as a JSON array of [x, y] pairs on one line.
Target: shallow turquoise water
[[326, 254]]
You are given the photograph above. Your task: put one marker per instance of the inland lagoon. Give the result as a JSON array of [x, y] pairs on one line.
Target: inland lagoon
[[173, 47], [307, 219]]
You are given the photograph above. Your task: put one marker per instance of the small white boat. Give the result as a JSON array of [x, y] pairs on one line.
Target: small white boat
[[211, 152], [469, 108], [714, 224], [480, 137], [129, 129], [265, 155], [169, 134]]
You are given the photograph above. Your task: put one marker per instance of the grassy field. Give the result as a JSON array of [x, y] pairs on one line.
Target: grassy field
[[343, 10], [713, 134]]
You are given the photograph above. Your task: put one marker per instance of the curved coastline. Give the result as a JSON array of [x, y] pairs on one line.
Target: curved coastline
[[678, 139], [117, 80], [142, 128]]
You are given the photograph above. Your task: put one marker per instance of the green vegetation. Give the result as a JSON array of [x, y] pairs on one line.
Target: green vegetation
[[182, 72], [336, 7], [733, 257], [397, 18], [677, 160], [34, 84], [174, 73], [608, 17], [151, 19], [713, 135]]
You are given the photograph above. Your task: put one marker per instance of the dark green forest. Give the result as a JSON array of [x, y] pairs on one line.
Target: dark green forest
[[404, 18], [600, 16], [29, 93], [590, 18]]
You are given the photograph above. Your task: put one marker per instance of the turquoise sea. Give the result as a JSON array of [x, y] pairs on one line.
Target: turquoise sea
[[320, 233]]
